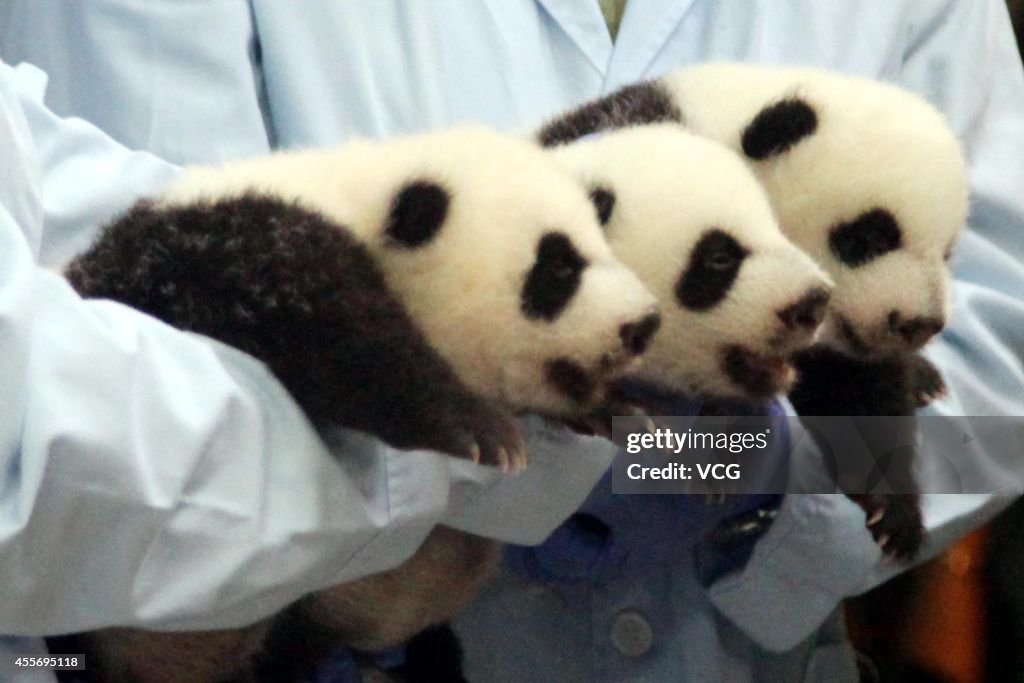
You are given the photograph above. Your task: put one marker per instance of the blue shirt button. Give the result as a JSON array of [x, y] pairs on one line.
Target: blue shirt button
[[632, 634]]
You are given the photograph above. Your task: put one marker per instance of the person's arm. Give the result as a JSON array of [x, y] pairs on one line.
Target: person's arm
[[148, 476], [84, 177], [962, 57]]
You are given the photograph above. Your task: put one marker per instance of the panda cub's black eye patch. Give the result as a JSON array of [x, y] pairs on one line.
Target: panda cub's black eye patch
[[865, 238], [417, 213], [554, 277], [714, 264], [604, 202]]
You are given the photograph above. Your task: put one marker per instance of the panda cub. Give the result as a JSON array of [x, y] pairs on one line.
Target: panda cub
[[737, 298], [424, 289], [868, 179]]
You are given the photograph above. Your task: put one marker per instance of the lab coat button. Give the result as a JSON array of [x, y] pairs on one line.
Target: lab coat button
[[632, 635]]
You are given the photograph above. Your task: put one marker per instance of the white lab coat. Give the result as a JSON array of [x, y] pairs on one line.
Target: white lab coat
[[230, 78]]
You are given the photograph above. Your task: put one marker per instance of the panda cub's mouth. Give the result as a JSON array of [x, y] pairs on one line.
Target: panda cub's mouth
[[761, 375]]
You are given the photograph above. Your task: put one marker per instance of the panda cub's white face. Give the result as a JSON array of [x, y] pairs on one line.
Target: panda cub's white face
[[685, 213], [493, 249], [866, 177]]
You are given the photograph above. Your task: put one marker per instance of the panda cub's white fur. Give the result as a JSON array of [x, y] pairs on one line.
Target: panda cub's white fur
[[666, 193]]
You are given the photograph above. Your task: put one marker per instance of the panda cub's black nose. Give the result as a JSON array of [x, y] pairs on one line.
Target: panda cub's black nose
[[637, 336], [915, 331], [808, 312]]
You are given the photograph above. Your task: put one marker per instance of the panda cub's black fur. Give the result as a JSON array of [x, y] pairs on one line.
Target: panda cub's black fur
[[297, 291], [417, 214], [553, 279], [711, 271], [778, 127], [832, 384], [632, 105]]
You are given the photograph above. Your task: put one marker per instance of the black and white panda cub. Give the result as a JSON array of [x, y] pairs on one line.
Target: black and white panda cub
[[868, 179], [424, 289], [737, 298]]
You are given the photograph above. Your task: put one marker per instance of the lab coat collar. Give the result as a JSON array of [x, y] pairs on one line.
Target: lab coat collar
[[584, 24], [646, 27]]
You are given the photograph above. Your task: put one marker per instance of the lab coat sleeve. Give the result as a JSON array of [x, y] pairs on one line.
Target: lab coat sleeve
[[961, 56], [149, 475], [152, 477], [84, 177]]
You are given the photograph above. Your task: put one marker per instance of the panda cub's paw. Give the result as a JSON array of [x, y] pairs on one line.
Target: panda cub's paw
[[925, 380], [895, 523], [480, 431]]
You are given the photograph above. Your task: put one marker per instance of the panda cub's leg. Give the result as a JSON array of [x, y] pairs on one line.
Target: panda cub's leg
[[300, 293], [831, 384]]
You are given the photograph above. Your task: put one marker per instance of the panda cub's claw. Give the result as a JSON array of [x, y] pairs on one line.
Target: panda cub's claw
[[487, 435], [922, 398], [517, 460], [471, 428], [895, 523], [513, 461], [925, 380]]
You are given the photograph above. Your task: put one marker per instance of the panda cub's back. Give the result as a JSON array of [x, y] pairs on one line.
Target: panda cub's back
[[354, 183]]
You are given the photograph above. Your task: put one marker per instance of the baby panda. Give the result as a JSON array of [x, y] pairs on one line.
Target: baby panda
[[424, 289], [868, 179], [737, 298]]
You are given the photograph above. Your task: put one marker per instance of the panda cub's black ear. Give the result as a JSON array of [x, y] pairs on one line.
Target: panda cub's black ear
[[778, 127], [604, 203], [417, 213]]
